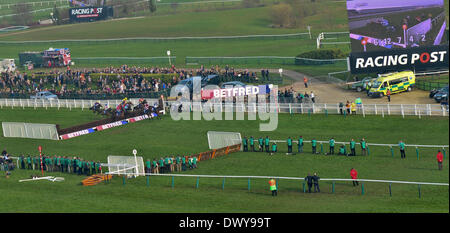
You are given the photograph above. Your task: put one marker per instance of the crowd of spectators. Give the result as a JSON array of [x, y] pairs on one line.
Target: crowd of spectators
[[126, 79], [288, 95], [170, 164], [65, 164], [77, 165]]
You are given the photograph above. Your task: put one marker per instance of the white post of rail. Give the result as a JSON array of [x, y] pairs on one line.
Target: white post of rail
[[401, 107], [364, 114]]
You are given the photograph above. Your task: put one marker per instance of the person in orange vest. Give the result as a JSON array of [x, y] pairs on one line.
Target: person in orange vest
[[273, 186], [305, 81], [388, 94], [440, 158], [354, 175]]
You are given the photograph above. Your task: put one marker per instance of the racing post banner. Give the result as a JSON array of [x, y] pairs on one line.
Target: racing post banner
[[399, 35], [415, 59], [87, 14]]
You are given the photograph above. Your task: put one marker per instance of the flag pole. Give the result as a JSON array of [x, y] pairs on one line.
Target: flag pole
[[40, 155]]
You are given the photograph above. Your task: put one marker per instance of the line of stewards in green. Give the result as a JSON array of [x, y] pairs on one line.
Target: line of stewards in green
[[401, 145], [265, 144], [170, 164], [65, 164]]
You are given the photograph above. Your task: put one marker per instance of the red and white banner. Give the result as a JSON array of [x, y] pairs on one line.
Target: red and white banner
[[103, 127]]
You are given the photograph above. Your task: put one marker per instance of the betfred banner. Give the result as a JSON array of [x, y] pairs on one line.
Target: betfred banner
[[105, 126], [417, 59], [401, 34], [235, 91]]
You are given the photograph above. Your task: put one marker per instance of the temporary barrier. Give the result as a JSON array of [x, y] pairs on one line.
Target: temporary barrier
[[30, 130]]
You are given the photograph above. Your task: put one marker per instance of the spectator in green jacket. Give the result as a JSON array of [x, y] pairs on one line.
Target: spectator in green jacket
[[274, 148], [92, 167], [266, 143], [342, 150], [314, 145], [194, 162], [183, 159], [80, 166], [363, 146], [178, 166], [244, 144], [161, 165], [69, 164], [54, 163], [331, 142], [252, 144], [97, 167], [289, 144], [22, 162], [155, 167], [300, 144], [48, 163], [261, 144], [401, 144], [75, 165], [352, 147], [35, 163], [190, 163], [29, 163]]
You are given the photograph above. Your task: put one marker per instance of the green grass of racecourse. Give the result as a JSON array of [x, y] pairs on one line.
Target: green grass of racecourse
[[157, 138], [244, 21]]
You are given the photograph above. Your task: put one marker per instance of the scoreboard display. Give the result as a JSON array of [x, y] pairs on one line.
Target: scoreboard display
[[388, 35], [88, 14]]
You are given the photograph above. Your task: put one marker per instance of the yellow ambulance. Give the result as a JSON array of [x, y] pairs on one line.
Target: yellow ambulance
[[396, 82]]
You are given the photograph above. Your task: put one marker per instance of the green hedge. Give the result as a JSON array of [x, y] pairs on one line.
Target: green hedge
[[324, 54]]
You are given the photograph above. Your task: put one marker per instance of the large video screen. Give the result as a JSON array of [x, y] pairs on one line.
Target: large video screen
[[388, 24], [396, 27]]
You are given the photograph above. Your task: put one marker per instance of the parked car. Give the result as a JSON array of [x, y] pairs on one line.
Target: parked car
[[436, 90], [361, 85], [442, 94], [211, 79], [44, 95], [233, 84]]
